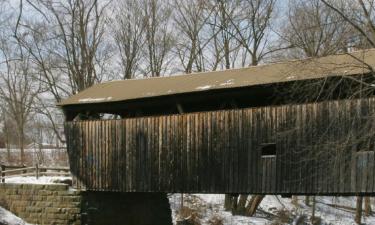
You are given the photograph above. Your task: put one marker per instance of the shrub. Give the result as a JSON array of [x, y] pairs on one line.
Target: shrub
[[216, 220], [285, 216]]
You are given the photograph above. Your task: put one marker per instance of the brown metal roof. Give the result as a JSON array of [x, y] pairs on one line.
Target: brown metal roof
[[335, 65]]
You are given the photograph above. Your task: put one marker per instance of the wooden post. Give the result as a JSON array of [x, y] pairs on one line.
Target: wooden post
[[2, 174], [358, 212], [25, 170], [241, 207], [234, 203], [367, 206], [37, 171], [253, 204], [227, 202], [294, 200], [182, 202], [313, 211], [307, 200]]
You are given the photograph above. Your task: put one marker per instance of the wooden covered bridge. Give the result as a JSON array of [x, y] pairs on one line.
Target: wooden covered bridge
[[299, 127]]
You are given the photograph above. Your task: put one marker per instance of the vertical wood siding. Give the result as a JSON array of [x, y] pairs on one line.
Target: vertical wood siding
[[321, 148]]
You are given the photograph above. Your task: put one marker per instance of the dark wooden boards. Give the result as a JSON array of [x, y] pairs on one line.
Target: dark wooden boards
[[321, 148]]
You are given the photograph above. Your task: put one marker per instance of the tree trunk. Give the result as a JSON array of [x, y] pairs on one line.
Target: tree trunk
[[7, 144], [367, 206], [21, 146], [227, 202], [252, 207], [241, 207], [234, 204], [294, 200], [307, 200], [358, 212], [182, 202], [313, 211]]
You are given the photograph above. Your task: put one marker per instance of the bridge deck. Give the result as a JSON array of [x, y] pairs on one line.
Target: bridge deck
[[317, 148]]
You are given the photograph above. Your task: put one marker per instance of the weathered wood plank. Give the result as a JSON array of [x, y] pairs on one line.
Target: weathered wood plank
[[220, 152]]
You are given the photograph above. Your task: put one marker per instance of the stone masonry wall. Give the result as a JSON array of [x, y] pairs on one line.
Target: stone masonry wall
[[51, 204], [56, 204]]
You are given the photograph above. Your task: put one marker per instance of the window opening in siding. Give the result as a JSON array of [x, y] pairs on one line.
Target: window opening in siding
[[268, 149]]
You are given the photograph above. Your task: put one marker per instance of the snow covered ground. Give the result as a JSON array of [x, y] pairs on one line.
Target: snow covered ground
[[7, 218], [40, 180], [209, 208]]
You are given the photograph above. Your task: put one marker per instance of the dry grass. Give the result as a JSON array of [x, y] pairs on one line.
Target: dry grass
[[216, 220], [301, 220], [283, 217], [185, 212], [194, 204], [188, 216], [317, 220]]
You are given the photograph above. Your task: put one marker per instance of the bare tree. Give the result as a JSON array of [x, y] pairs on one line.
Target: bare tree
[[254, 35], [251, 32], [18, 89], [46, 108], [368, 209], [358, 212], [159, 38], [314, 30], [189, 20], [245, 28], [250, 26], [128, 32], [65, 40], [222, 25], [6, 130], [359, 14], [224, 45]]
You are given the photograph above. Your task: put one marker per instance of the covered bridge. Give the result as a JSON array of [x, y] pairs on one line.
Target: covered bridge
[[297, 127]]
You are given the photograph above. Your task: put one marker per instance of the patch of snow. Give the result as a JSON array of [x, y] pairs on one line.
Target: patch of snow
[[290, 77], [94, 99], [7, 218], [204, 87], [211, 205], [33, 180], [228, 82], [33, 150]]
